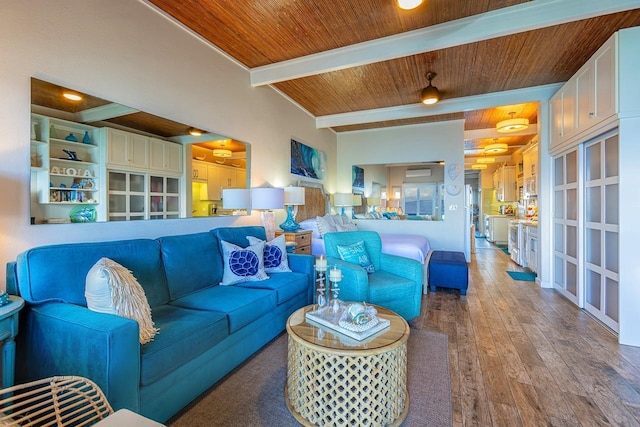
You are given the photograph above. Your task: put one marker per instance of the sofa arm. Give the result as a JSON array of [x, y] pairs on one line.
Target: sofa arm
[[301, 263], [67, 339], [403, 267], [355, 280]]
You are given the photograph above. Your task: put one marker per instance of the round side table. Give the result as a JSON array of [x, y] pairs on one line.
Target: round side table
[[335, 380]]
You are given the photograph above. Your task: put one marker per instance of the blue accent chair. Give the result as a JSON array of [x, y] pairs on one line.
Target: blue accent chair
[[396, 283]]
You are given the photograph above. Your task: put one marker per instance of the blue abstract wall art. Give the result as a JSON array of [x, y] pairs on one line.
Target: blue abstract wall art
[[358, 177], [307, 161]]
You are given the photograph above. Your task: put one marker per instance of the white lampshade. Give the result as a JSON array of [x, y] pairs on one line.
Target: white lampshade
[[267, 198], [496, 148], [343, 199], [373, 201], [236, 198], [512, 125], [293, 196], [357, 200], [394, 203]]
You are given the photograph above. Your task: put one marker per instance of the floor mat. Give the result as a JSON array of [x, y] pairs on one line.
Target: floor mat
[[504, 248], [525, 276]]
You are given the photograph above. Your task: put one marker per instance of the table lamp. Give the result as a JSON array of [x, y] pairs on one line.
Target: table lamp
[[342, 200], [238, 199], [265, 199], [293, 196], [372, 202]]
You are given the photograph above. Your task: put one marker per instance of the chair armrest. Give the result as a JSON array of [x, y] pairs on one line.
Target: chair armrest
[[355, 280], [304, 264], [401, 266], [67, 339]]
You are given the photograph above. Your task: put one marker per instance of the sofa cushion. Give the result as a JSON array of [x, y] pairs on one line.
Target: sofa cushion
[[243, 264], [275, 254], [111, 288], [385, 286], [191, 262], [287, 285], [241, 305], [238, 235], [58, 272], [184, 335]]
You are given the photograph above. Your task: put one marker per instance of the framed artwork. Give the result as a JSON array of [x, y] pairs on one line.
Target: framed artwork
[[376, 190], [357, 176], [307, 161]]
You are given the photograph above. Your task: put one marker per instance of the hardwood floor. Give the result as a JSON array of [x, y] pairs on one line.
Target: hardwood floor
[[524, 356]]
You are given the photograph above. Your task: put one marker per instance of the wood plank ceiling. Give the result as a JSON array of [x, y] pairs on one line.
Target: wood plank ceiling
[[554, 39]]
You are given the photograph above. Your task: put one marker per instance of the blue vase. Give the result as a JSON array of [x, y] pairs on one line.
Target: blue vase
[[87, 138]]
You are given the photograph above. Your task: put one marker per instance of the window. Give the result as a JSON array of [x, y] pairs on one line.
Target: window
[[420, 199]]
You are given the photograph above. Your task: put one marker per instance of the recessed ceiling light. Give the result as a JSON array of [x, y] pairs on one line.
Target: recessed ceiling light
[[72, 96], [195, 132], [409, 4]]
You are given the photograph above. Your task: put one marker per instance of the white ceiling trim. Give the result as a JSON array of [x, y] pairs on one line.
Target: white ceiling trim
[[104, 112], [510, 20], [447, 106]]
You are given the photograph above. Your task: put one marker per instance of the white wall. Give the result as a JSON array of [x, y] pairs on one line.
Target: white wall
[[127, 52], [425, 142]]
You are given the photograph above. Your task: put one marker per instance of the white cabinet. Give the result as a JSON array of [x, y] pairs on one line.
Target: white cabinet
[[506, 179], [199, 171], [531, 247], [213, 189], [530, 171], [126, 149], [587, 99], [165, 156]]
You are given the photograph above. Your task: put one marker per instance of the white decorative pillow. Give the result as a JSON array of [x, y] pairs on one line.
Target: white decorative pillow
[[311, 224], [111, 288], [275, 254], [243, 264], [347, 227], [325, 225]]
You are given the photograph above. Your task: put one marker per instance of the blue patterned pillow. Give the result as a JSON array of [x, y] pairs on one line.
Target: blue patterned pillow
[[275, 254], [357, 254], [243, 264]]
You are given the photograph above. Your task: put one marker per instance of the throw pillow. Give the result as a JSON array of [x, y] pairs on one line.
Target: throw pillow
[[311, 224], [275, 254], [357, 254], [325, 225], [347, 227], [112, 288], [243, 264]]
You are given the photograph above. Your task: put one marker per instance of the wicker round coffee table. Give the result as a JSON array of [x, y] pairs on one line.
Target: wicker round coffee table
[[335, 380]]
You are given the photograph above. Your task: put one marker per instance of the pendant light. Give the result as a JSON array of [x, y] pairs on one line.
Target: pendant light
[[479, 166], [430, 94], [512, 125], [495, 148], [222, 152], [486, 160]]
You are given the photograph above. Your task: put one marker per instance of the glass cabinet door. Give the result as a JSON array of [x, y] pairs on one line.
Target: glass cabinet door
[[164, 197], [126, 193]]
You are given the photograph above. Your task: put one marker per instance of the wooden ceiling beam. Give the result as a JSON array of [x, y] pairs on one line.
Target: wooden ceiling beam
[[447, 106], [509, 20]]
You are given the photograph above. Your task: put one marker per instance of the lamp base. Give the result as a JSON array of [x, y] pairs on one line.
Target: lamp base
[[290, 224], [269, 224]]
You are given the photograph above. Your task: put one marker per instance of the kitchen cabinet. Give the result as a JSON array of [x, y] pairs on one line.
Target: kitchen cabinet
[[530, 171], [213, 189], [126, 149], [506, 179], [587, 99], [531, 247], [165, 156], [199, 171]]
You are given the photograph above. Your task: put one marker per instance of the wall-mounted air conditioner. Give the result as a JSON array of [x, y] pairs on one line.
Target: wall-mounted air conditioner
[[416, 173]]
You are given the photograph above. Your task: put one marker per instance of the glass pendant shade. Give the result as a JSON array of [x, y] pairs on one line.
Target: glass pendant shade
[[221, 152], [479, 166], [486, 160]]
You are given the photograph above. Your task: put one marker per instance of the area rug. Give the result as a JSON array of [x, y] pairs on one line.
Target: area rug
[[504, 248], [525, 276], [253, 394]]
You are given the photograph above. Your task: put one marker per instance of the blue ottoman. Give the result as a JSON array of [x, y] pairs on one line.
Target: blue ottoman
[[448, 269]]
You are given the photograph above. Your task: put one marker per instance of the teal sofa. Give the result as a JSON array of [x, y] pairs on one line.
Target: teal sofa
[[206, 329], [396, 283]]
